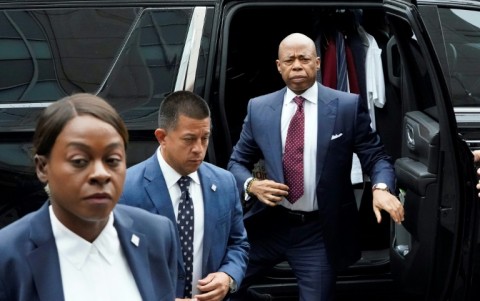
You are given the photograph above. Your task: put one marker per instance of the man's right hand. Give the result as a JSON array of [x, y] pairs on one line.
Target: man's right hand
[[268, 192]]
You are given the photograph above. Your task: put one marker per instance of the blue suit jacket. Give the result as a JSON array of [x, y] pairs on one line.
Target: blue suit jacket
[[343, 128], [30, 268], [225, 246]]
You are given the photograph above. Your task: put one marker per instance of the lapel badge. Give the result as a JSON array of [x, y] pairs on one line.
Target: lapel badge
[[214, 187], [135, 240]]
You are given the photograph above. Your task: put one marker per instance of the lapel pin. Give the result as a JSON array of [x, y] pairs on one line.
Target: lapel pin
[[135, 240], [214, 187]]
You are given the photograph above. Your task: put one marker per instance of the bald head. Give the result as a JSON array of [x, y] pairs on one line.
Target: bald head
[[298, 62], [297, 39]]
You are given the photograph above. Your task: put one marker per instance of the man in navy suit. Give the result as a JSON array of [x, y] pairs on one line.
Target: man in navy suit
[[316, 232], [220, 244]]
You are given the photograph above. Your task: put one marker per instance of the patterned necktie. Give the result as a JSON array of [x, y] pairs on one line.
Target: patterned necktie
[[342, 81], [185, 230], [293, 156]]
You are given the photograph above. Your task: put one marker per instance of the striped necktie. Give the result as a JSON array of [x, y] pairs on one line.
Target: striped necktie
[[342, 79]]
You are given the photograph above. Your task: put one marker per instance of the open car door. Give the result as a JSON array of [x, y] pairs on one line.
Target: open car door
[[431, 252]]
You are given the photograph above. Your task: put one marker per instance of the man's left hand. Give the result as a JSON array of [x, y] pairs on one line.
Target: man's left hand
[[383, 200], [214, 287]]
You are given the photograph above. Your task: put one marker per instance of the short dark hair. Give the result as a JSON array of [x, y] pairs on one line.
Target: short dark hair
[[53, 119], [181, 103]]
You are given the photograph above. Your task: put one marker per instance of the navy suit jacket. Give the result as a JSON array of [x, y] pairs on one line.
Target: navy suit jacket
[[225, 246], [30, 268], [343, 128]]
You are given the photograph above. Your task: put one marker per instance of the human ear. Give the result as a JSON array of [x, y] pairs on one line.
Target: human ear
[[160, 134], [41, 168]]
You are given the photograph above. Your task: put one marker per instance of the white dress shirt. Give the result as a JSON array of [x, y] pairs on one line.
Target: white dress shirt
[[308, 202], [375, 86], [95, 271], [374, 78], [171, 178]]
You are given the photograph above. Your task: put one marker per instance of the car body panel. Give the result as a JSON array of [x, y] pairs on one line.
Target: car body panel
[[134, 53]]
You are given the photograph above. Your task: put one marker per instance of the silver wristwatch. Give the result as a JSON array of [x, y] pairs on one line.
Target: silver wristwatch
[[381, 186], [232, 285]]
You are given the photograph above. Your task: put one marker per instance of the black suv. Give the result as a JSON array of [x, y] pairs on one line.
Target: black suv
[[134, 53]]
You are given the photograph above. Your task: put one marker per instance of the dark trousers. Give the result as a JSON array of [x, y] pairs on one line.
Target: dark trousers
[[276, 235]]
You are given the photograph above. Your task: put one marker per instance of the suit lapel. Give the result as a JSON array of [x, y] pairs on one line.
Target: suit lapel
[[327, 114], [210, 201], [134, 246], [272, 116], [44, 260], [157, 190]]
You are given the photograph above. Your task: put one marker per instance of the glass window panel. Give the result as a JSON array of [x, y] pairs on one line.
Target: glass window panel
[[461, 29]]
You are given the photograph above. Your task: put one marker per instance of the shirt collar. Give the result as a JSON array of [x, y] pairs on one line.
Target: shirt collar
[[77, 250], [311, 94], [171, 175]]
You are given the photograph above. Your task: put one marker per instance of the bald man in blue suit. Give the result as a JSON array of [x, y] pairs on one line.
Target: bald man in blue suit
[[316, 234]]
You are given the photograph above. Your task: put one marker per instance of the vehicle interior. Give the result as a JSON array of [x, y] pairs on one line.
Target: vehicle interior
[[409, 115]]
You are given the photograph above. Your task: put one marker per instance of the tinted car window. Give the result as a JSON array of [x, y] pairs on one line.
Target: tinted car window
[[453, 31], [131, 56], [460, 30], [56, 53]]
